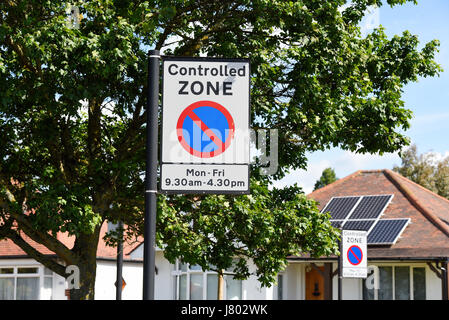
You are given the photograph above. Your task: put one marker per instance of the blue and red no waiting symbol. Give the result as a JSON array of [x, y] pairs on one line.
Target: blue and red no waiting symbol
[[355, 255], [205, 129]]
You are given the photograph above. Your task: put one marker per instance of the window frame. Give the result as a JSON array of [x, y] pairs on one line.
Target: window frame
[[40, 274], [177, 273], [393, 279]]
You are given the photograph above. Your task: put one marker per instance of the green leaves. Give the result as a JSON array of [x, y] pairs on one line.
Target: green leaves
[[327, 177], [265, 227], [429, 170]]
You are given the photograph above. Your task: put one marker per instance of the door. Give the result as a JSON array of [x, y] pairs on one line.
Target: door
[[315, 284]]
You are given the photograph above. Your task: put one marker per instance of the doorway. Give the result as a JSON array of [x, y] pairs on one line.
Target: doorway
[[315, 283]]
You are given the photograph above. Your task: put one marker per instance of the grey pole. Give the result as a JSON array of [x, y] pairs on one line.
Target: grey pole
[[444, 278], [119, 281], [151, 175], [340, 272]]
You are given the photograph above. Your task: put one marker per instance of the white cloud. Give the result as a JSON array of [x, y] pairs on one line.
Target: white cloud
[[429, 119], [304, 178], [349, 162], [343, 162], [435, 157]]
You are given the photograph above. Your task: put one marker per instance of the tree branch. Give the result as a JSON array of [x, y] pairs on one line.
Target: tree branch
[[216, 26], [46, 260], [22, 57], [40, 237]]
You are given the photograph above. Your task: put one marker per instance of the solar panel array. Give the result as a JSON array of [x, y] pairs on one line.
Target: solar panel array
[[370, 207], [363, 213], [387, 231], [341, 207], [363, 225]]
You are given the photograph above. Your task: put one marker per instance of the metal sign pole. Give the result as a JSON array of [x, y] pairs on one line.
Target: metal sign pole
[[340, 271], [151, 175], [119, 281]]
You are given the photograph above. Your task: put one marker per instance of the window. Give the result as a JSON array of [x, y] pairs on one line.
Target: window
[[191, 282], [6, 288], [233, 288], [385, 283], [26, 270], [212, 286], [398, 283], [402, 283], [25, 283], [6, 270], [27, 288], [419, 284], [47, 290]]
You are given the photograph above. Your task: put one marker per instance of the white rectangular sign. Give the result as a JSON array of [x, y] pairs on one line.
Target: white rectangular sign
[[199, 177], [205, 121], [354, 253]]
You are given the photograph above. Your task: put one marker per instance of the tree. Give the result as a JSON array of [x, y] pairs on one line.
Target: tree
[[428, 170], [72, 120], [327, 177]]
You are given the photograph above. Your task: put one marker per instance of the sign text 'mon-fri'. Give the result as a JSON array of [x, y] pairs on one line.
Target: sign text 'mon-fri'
[[205, 126]]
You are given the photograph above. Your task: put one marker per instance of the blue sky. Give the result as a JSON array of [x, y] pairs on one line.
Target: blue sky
[[428, 98]]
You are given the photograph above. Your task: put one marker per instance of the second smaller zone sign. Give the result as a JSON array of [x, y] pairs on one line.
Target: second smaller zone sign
[[354, 253]]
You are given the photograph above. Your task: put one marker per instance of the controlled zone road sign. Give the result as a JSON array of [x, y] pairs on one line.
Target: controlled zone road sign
[[354, 253], [205, 126]]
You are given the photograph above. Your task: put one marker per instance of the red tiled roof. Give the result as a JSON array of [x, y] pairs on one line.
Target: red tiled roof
[[104, 251], [427, 236], [9, 249]]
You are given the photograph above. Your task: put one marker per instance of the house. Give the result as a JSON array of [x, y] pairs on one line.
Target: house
[[411, 254], [408, 244], [23, 278]]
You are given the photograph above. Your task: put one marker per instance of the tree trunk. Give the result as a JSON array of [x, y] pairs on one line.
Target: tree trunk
[[86, 290], [86, 248], [220, 286]]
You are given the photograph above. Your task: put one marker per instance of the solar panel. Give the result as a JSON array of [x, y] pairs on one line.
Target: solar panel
[[387, 231], [370, 207], [340, 208], [364, 225], [336, 223]]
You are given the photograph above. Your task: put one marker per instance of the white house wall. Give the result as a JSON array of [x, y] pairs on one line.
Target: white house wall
[[294, 281], [352, 289], [164, 281], [165, 286], [252, 289], [433, 285], [106, 277]]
